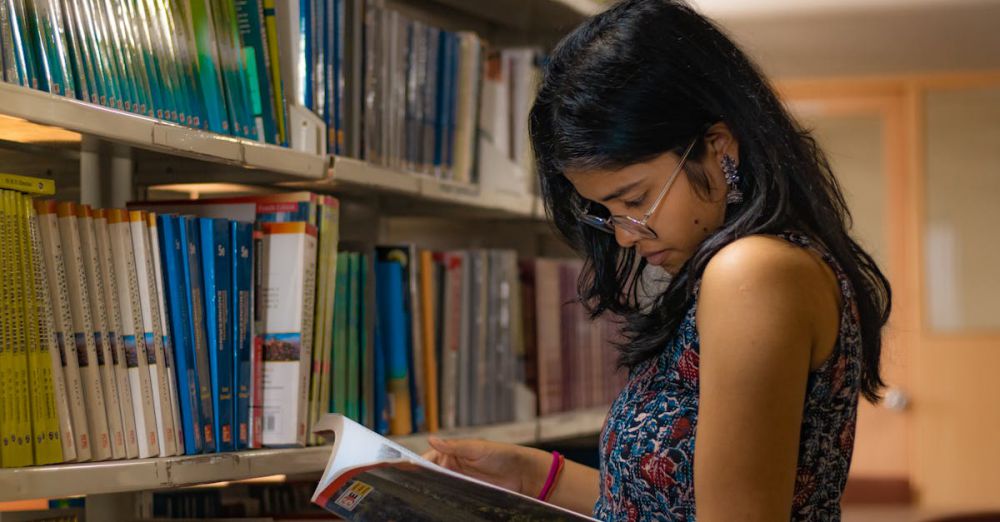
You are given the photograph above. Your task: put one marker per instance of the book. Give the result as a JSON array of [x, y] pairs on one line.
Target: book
[[83, 332], [242, 314], [169, 348], [27, 184], [428, 312], [199, 18], [18, 437], [355, 339], [117, 343], [133, 332], [152, 335], [102, 338], [195, 295], [288, 302], [174, 256], [54, 398], [216, 271], [55, 271], [368, 477], [392, 332], [257, 62], [275, 71]]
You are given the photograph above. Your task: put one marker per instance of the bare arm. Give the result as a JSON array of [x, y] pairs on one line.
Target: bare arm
[[761, 306]]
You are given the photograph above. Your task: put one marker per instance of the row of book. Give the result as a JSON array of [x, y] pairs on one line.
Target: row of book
[[183, 327], [207, 64], [382, 86]]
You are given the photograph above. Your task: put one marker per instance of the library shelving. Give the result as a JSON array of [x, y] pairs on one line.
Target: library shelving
[[99, 478], [146, 152]]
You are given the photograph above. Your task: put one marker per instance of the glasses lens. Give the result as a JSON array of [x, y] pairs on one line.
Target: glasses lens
[[634, 227], [599, 223]]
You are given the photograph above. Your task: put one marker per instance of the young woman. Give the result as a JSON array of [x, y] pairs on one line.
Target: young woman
[[659, 143]]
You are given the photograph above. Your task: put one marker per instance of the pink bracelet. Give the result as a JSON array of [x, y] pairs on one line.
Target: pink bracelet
[[554, 470]]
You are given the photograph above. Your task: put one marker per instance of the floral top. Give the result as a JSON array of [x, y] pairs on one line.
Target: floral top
[[647, 445]]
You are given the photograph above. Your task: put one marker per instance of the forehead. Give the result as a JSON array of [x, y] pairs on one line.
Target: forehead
[[595, 184]]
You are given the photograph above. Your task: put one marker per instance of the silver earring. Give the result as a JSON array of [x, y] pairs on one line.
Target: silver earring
[[735, 195]]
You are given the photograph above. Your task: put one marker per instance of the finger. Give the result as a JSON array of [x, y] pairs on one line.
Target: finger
[[433, 456]]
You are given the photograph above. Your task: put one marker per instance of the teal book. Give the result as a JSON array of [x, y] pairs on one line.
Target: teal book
[[209, 70], [227, 47], [23, 38], [354, 353], [339, 368], [54, 48], [242, 75], [257, 63]]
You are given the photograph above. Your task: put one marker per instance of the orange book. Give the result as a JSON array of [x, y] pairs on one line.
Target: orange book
[[427, 298]]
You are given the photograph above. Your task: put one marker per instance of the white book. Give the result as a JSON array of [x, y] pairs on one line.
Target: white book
[[83, 332], [107, 271], [149, 306], [470, 64], [289, 275], [62, 324], [46, 322], [132, 333], [95, 292], [168, 346]]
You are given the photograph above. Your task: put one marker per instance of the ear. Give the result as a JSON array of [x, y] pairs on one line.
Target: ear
[[720, 140]]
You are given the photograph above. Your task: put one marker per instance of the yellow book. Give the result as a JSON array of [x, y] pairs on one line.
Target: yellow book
[[6, 342], [23, 454], [54, 395], [27, 184]]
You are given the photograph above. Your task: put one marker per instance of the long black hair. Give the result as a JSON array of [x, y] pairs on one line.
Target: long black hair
[[643, 78]]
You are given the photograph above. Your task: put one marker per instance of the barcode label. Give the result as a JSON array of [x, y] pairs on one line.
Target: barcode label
[[269, 422]]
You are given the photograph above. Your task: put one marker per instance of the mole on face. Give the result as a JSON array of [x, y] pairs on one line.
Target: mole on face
[[697, 222]]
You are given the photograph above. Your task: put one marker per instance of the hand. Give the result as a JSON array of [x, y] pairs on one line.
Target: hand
[[509, 466]]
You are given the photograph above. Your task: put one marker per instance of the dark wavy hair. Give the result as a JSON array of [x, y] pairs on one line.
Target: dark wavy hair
[[643, 78]]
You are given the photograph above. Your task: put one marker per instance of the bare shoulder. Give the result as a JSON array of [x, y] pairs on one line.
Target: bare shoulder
[[767, 261]]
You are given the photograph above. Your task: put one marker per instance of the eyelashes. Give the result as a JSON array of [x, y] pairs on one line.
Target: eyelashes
[[633, 203]]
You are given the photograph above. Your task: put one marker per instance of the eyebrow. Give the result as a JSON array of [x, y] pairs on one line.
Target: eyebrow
[[621, 191]]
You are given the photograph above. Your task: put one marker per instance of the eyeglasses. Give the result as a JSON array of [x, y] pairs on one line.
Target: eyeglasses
[[636, 227]]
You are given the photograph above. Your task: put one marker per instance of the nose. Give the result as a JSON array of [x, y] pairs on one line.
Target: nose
[[626, 238]]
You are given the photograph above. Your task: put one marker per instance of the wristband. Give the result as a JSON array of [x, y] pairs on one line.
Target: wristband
[[554, 471]]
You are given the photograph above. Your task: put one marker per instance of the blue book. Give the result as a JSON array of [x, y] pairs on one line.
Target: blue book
[[452, 104], [194, 290], [380, 407], [393, 331], [241, 316], [441, 101], [216, 270], [173, 253], [305, 61]]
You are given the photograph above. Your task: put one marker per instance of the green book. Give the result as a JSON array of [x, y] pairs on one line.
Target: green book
[[354, 307], [208, 68], [339, 370]]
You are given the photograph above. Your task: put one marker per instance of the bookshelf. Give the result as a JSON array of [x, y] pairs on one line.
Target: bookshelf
[[157, 152], [160, 473]]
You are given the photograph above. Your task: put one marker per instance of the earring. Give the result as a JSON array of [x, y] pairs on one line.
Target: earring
[[735, 195]]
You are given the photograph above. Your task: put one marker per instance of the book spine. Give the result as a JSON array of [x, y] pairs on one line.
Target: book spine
[[101, 54], [340, 367], [319, 403], [83, 332], [95, 292], [75, 60], [18, 437], [354, 347], [25, 44], [55, 271], [152, 337], [91, 82], [52, 49], [216, 278], [393, 332], [132, 334], [192, 271], [427, 315], [184, 47], [275, 70], [256, 62], [114, 51], [173, 254], [209, 72], [257, 348], [168, 359], [7, 50], [165, 38], [291, 256], [8, 401], [242, 312], [55, 395], [116, 343]]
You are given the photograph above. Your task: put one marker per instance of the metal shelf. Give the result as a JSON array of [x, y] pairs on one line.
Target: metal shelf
[[147, 133], [98, 478]]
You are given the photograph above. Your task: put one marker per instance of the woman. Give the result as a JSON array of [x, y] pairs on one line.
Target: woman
[[659, 143]]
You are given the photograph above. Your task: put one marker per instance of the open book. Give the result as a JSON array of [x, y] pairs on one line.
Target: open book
[[370, 477]]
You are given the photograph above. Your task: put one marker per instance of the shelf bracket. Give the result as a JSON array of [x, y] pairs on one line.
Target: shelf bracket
[[90, 171], [122, 167]]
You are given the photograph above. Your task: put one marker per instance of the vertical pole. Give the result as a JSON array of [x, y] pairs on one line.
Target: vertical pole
[[90, 171], [121, 175]]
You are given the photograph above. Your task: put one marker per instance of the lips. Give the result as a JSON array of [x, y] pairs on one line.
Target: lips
[[655, 258]]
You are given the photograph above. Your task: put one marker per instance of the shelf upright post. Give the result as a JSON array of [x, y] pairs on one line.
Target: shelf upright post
[[121, 175], [90, 171]]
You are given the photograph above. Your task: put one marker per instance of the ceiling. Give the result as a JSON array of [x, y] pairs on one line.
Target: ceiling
[[797, 38]]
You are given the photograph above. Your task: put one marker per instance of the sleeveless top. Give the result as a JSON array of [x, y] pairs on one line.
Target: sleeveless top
[[647, 444]]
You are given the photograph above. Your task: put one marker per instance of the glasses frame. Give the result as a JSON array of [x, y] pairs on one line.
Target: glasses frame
[[637, 227]]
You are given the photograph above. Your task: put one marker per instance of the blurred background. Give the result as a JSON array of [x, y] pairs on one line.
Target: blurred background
[[904, 96]]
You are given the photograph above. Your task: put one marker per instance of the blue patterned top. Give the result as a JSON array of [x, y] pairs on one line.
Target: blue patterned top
[[647, 445]]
